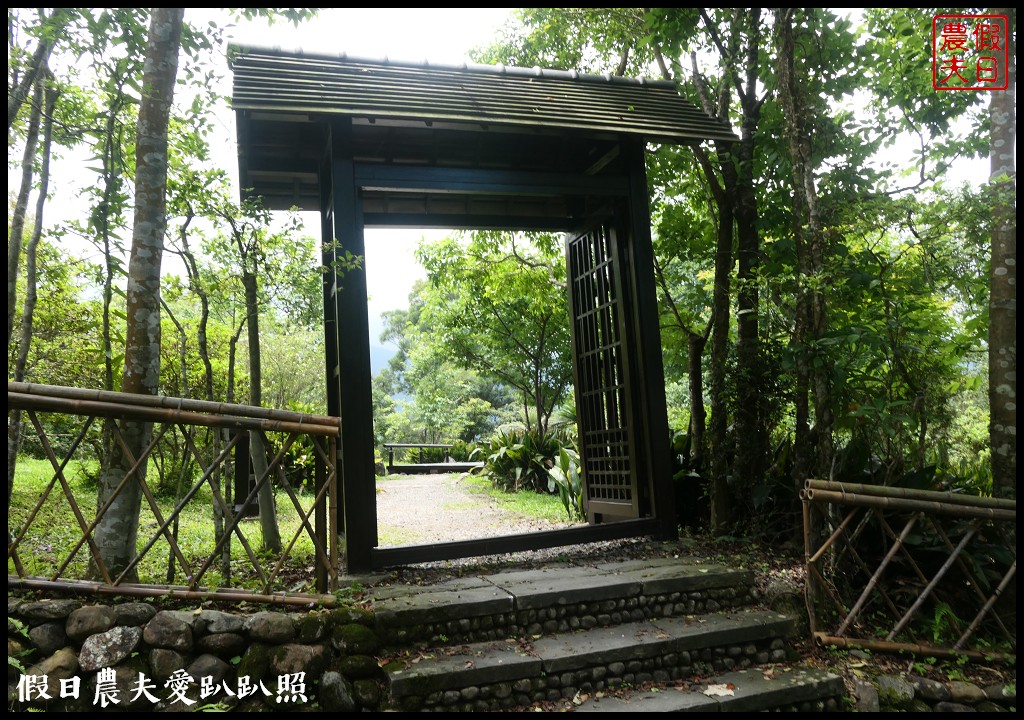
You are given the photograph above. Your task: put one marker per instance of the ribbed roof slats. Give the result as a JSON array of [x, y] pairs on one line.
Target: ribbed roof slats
[[272, 81]]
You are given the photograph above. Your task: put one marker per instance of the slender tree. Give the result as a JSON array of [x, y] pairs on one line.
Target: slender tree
[[116, 530], [1002, 364], [16, 231], [14, 429], [813, 450], [48, 30]]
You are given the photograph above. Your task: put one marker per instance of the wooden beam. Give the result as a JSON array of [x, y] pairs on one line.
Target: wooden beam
[[377, 177], [352, 384]]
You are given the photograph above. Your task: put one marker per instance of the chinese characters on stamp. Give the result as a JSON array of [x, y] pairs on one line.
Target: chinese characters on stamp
[[970, 52]]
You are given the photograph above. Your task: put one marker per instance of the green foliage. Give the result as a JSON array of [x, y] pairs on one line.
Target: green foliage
[[946, 626], [461, 450], [904, 269], [21, 629], [568, 476], [426, 395], [517, 460], [496, 303]]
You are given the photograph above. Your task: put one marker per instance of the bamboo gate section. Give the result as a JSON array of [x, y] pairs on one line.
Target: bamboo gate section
[[951, 547], [318, 522]]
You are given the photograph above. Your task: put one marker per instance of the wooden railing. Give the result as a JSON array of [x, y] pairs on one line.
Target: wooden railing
[[911, 571], [210, 436]]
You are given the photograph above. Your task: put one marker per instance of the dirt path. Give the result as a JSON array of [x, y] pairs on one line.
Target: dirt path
[[418, 509]]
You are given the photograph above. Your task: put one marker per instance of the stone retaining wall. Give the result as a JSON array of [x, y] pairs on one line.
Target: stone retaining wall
[[911, 693], [75, 657]]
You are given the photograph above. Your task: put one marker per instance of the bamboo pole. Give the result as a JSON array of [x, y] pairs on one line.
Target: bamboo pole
[[988, 606], [914, 648], [334, 529], [924, 594], [169, 592], [855, 610], [911, 494], [973, 581], [834, 536], [72, 503], [910, 505], [159, 401], [810, 594], [160, 414]]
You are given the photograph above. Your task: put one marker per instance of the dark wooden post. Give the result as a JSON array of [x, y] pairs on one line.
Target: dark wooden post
[[649, 387], [351, 383]]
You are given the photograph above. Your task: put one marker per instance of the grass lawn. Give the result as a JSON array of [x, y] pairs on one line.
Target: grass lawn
[[55, 531], [531, 504]]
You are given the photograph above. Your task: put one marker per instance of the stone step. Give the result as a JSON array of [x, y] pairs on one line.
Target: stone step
[[752, 690], [555, 599], [506, 673]]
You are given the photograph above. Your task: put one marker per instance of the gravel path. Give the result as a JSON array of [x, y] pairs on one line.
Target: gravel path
[[421, 509]]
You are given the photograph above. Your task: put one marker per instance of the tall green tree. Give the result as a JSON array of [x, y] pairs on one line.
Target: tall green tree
[[813, 371], [116, 531], [498, 302]]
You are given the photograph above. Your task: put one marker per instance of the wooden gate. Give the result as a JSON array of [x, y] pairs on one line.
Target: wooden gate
[[600, 341]]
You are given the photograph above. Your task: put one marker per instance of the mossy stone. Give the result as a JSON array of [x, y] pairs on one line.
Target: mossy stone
[[355, 639]]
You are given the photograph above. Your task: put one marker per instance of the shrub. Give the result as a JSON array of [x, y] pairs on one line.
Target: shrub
[[519, 460]]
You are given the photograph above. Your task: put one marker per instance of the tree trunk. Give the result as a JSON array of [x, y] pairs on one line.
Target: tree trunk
[[1002, 339], [202, 342], [721, 510], [102, 214], [257, 450], [52, 28], [14, 428], [813, 450], [16, 231], [698, 414], [751, 434], [116, 531]]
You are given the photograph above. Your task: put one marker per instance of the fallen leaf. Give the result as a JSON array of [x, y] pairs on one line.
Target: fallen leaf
[[716, 690]]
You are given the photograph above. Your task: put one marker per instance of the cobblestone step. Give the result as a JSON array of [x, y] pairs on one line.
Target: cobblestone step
[[502, 674], [753, 690], [555, 599], [585, 635]]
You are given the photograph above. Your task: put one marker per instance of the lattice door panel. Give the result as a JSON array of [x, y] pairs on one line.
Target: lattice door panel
[[601, 367]]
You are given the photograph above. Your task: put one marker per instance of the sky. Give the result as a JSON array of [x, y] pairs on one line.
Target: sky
[[438, 35]]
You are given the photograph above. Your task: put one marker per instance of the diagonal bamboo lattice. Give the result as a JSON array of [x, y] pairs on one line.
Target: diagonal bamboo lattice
[[223, 427], [895, 570]]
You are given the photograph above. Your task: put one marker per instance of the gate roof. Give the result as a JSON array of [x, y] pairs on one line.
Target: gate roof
[[473, 116]]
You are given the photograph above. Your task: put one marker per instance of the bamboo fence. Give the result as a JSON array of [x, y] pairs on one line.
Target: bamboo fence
[[846, 528], [317, 523]]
